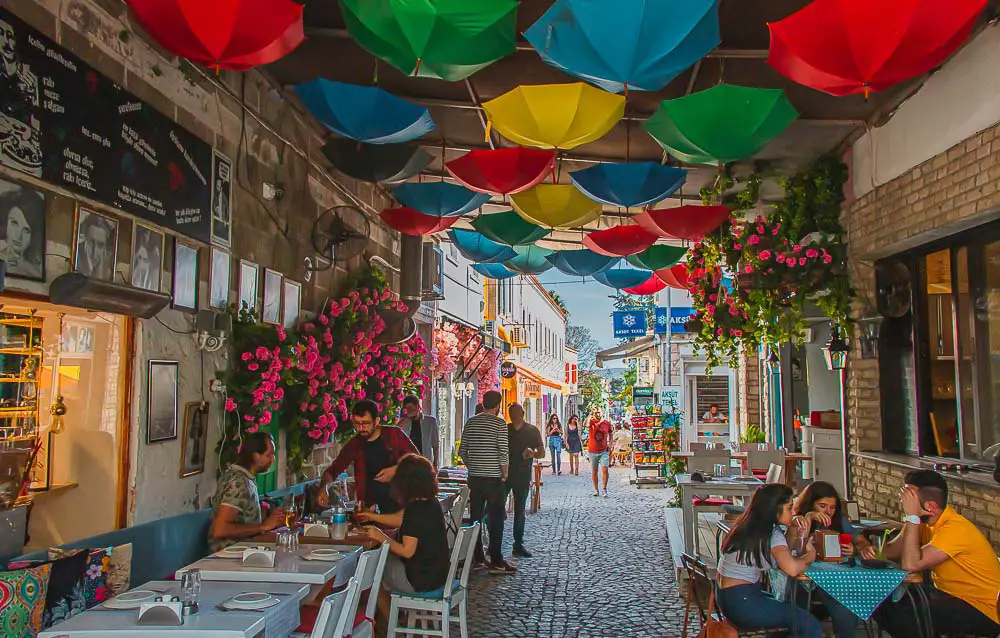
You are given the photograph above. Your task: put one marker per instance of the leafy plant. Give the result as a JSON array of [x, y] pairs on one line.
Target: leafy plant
[[753, 434]]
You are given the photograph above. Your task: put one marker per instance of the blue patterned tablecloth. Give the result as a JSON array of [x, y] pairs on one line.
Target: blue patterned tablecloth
[[858, 588]]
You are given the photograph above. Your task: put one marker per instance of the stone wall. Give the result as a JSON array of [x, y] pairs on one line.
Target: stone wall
[[748, 391]]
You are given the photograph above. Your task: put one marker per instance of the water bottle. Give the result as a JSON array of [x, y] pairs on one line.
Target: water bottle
[[338, 528]]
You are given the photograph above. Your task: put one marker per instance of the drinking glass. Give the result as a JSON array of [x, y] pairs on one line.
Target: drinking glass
[[719, 470], [191, 586]]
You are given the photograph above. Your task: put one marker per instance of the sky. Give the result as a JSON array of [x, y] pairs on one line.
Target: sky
[[589, 303]]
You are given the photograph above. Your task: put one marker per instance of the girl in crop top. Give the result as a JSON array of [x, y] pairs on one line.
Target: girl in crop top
[[755, 544]]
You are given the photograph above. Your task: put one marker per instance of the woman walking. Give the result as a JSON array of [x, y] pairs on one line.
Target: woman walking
[[574, 444], [553, 430]]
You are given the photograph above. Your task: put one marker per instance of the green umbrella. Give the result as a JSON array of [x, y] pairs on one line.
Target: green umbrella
[[445, 39], [722, 124], [657, 257], [530, 260], [509, 228]]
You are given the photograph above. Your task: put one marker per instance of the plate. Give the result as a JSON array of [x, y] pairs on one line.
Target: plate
[[251, 600], [232, 550], [131, 599], [325, 553]]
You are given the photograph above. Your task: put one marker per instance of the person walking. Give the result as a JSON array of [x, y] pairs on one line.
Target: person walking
[[525, 446], [597, 447], [573, 444], [485, 451], [554, 433]]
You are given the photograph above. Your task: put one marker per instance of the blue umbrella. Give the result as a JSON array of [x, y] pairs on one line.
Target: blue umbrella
[[623, 277], [652, 41], [478, 248], [494, 271], [530, 260], [364, 113], [581, 263], [627, 185], [440, 199]]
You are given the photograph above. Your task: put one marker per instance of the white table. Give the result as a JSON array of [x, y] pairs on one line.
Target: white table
[[275, 622], [721, 487], [289, 567]]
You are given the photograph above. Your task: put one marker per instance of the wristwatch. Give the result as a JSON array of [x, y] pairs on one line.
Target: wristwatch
[[912, 519]]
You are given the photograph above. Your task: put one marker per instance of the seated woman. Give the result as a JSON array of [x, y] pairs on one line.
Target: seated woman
[[419, 560], [755, 544], [236, 505]]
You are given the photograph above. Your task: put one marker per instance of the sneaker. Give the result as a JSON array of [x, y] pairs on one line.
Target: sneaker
[[605, 493], [503, 568], [596, 493], [478, 565], [520, 551]]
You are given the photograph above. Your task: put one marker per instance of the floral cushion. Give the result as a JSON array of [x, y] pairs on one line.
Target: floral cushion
[[119, 569], [95, 577], [64, 598], [22, 601]]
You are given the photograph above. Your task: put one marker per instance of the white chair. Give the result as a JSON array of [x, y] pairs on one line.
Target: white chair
[[441, 602], [371, 565], [457, 513], [774, 473], [758, 462], [333, 617]]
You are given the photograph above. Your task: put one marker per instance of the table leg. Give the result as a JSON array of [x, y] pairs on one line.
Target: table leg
[[790, 472], [687, 514], [925, 606]]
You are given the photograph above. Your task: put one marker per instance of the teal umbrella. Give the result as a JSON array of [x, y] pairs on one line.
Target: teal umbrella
[[530, 260]]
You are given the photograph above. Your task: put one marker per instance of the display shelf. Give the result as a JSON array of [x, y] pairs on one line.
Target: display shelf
[[20, 364]]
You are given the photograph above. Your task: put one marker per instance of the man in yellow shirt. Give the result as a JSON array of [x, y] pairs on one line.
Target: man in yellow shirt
[[965, 570]]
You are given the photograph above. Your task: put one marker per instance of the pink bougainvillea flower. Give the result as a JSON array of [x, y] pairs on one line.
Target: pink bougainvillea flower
[[827, 259], [796, 249], [812, 253], [246, 356], [802, 261], [753, 240], [780, 258], [230, 404], [764, 255]]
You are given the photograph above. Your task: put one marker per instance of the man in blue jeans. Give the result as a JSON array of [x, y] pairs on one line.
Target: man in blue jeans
[[525, 446]]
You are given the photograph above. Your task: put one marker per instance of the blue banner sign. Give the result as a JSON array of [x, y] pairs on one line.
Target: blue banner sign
[[629, 323], [678, 317], [661, 321]]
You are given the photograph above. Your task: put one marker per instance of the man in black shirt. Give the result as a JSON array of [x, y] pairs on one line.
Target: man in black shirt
[[525, 446]]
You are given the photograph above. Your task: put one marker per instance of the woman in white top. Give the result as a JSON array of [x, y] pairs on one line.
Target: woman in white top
[[756, 544]]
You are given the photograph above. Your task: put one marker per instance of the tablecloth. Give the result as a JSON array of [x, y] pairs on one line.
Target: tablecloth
[[858, 588]]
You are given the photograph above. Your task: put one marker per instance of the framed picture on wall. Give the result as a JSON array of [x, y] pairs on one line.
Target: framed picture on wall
[[161, 407], [271, 311], [22, 231], [185, 288], [292, 303], [249, 274], [96, 245], [222, 192], [194, 439], [147, 258], [218, 280]]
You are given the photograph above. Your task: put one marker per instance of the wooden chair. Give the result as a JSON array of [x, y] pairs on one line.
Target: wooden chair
[[754, 447], [700, 587], [623, 457], [697, 447]]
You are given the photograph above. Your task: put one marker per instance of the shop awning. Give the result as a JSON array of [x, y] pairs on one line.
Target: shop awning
[[626, 351], [531, 375]]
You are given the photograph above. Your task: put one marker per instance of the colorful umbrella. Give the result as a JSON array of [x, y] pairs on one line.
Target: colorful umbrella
[[223, 35], [684, 222], [386, 163], [554, 115], [440, 199], [475, 247], [555, 206], [413, 222], [619, 241], [502, 171], [619, 278], [657, 257], [627, 185], [676, 276], [444, 39], [842, 47], [508, 228], [494, 271], [530, 260], [721, 124], [651, 286], [654, 40], [581, 263], [364, 113]]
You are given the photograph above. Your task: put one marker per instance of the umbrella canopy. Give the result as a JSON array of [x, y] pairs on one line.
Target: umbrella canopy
[[684, 222], [508, 228], [475, 247], [554, 115], [387, 163], [651, 286], [627, 185], [657, 257], [530, 260], [494, 271], [620, 278], [676, 276], [555, 206], [654, 40], [364, 113], [581, 263], [440, 199], [444, 39], [842, 47], [721, 124], [502, 171], [413, 222], [620, 241]]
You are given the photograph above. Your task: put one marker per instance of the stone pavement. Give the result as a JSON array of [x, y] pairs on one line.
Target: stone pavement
[[601, 567]]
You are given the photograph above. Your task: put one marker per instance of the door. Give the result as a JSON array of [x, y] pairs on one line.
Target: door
[[829, 467]]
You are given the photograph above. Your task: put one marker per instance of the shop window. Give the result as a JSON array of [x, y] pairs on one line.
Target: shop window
[[709, 391]]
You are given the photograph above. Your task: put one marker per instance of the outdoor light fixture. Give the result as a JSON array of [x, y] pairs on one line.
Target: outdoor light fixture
[[869, 335], [464, 390], [835, 351]]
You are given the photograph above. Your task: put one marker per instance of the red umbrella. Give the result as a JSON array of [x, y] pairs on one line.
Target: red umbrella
[[676, 276], [620, 241], [503, 171], [684, 222], [223, 34], [858, 46], [412, 222], [651, 286]]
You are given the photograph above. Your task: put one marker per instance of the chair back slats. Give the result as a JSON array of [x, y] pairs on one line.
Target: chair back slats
[[461, 557], [761, 460], [454, 520], [371, 579], [774, 473], [331, 612], [699, 584]]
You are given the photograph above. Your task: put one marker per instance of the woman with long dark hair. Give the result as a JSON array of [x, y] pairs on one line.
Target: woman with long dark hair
[[574, 444], [554, 432], [755, 545]]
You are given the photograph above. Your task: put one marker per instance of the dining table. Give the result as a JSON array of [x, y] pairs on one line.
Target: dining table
[[210, 621], [791, 460], [720, 486]]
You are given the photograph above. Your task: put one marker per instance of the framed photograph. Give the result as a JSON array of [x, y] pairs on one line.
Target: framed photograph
[[161, 407], [185, 289], [96, 244], [249, 274], [147, 258], [271, 312], [22, 231], [194, 439], [222, 192], [77, 340], [292, 304], [218, 280]]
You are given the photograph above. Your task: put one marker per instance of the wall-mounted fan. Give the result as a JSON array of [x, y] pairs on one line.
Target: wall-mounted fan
[[339, 234], [895, 288]]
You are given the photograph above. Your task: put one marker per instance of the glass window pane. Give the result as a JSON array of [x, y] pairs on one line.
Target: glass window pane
[[988, 311], [941, 338], [966, 357]]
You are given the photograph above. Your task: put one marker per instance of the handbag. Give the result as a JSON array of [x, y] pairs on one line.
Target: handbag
[[716, 628]]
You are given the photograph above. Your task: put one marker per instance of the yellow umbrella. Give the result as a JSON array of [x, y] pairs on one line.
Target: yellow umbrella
[[554, 115], [555, 206]]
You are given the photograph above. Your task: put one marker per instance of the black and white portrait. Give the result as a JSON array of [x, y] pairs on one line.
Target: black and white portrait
[[22, 231], [20, 130], [271, 313], [218, 296], [249, 274], [96, 245], [292, 304], [161, 410], [77, 340], [195, 437], [147, 258], [185, 288], [222, 187]]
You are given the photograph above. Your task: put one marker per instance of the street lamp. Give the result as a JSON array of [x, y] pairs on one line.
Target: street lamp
[[835, 353]]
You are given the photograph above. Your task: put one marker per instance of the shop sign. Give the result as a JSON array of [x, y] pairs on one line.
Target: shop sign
[[532, 390], [678, 317], [508, 370], [65, 123], [586, 391], [661, 321], [629, 323]]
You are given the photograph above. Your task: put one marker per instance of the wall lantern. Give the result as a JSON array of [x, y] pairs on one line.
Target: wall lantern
[[868, 339], [835, 351], [773, 362]]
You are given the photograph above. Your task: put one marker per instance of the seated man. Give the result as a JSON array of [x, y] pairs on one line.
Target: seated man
[[237, 512], [965, 570]]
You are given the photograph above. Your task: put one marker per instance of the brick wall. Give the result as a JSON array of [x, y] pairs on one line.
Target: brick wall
[[748, 390]]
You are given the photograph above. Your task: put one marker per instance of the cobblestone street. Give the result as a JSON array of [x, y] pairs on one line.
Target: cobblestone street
[[601, 567]]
